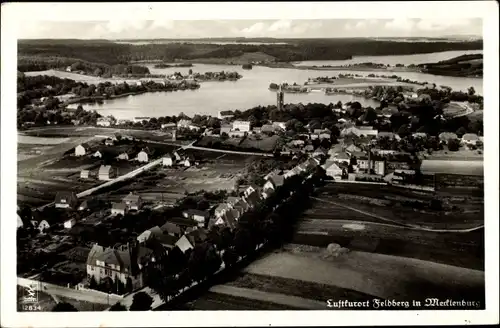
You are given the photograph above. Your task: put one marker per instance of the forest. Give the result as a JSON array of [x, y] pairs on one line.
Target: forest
[[111, 53]]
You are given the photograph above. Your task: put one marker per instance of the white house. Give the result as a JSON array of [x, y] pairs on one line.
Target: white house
[[43, 226], [97, 154], [334, 171], [119, 208], [143, 157], [168, 126], [84, 174], [197, 215], [123, 156], [81, 150], [280, 125], [133, 201], [243, 126], [69, 223], [167, 160], [103, 121], [184, 123], [66, 199], [106, 173]]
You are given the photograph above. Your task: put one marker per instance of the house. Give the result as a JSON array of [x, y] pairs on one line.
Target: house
[[256, 130], [168, 126], [167, 160], [103, 121], [20, 222], [89, 204], [69, 223], [43, 226], [228, 219], [172, 229], [383, 134], [241, 126], [324, 135], [445, 136], [125, 264], [250, 189], [81, 149], [267, 193], [241, 207], [194, 127], [109, 142], [334, 171], [183, 223], [191, 239], [280, 125], [106, 173], [187, 162], [274, 182], [237, 134], [352, 149], [225, 128], [297, 142], [123, 156], [342, 157], [140, 119], [149, 233], [320, 151], [470, 139], [97, 154], [68, 69], [417, 135], [253, 198], [177, 157], [119, 208], [84, 174], [267, 128], [133, 201], [225, 114], [231, 201], [183, 123], [221, 209], [143, 156], [66, 199], [309, 148], [197, 215]]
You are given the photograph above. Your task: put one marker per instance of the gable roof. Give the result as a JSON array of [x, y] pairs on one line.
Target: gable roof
[[470, 137], [196, 236], [196, 212], [253, 198], [277, 180], [222, 207], [105, 169], [119, 206], [230, 219], [183, 222], [131, 197], [60, 195], [169, 227]]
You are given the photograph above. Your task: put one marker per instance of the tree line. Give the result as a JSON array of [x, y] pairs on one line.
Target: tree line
[[294, 50]]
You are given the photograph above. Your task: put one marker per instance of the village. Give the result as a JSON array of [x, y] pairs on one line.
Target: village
[[131, 200]]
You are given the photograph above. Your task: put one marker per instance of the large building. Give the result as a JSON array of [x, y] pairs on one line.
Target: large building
[[124, 263], [243, 126], [280, 98]]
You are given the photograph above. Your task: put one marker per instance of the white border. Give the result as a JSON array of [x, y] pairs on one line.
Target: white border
[[14, 12]]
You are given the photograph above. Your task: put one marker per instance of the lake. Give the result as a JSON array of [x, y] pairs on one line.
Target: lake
[[393, 60], [252, 89]]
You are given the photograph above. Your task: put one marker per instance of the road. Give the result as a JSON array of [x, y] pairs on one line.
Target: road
[[399, 224], [229, 151]]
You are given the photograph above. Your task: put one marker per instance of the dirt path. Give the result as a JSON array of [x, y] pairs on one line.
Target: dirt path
[[292, 301], [412, 226], [379, 275]]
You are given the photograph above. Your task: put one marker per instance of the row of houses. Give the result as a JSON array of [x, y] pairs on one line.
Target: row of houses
[[141, 156], [104, 173]]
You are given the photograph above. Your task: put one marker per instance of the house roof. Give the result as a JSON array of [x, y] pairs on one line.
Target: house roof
[[222, 207], [385, 134], [277, 180], [448, 135], [196, 212], [170, 227], [119, 206], [333, 167], [131, 197], [253, 198], [105, 169], [470, 137], [64, 195], [84, 145], [166, 239], [230, 219], [241, 205], [117, 256], [267, 128], [342, 155], [196, 236], [183, 222]]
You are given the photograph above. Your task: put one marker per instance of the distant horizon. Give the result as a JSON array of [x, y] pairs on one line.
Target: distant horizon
[[469, 36]]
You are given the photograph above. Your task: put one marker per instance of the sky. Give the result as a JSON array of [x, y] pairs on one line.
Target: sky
[[275, 28]]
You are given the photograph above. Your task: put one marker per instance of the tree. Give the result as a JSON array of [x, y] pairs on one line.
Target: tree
[[141, 302], [64, 307], [453, 145], [118, 307], [404, 131], [461, 131], [471, 91], [230, 257]]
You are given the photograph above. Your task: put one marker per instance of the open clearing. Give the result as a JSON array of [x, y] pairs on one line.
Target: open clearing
[[379, 275]]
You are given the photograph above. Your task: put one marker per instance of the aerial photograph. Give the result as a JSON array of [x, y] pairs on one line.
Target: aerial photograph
[[266, 164]]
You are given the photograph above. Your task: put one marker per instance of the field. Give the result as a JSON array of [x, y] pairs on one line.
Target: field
[[250, 143], [382, 249]]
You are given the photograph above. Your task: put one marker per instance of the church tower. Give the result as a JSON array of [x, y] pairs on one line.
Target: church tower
[[280, 97]]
